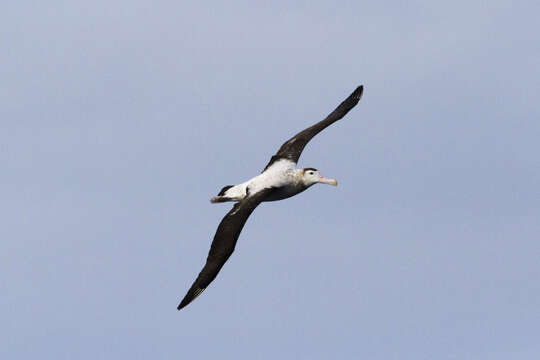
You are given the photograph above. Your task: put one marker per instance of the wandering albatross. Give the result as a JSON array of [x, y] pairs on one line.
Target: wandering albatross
[[279, 180]]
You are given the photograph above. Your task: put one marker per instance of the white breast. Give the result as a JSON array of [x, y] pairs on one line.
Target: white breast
[[281, 173]]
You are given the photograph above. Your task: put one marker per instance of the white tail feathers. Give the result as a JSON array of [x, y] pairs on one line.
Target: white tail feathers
[[230, 193]]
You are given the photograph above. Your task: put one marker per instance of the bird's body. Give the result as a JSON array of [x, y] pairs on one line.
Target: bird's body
[[282, 176], [279, 180]]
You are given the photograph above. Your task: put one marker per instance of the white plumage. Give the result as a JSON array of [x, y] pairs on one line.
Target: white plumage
[[282, 173]]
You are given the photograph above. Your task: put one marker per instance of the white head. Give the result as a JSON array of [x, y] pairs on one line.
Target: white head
[[312, 176]]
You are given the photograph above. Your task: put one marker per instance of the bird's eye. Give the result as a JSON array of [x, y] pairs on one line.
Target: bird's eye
[[311, 173]]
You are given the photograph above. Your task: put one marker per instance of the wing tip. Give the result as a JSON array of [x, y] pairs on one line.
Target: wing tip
[[352, 100], [357, 93], [190, 296], [183, 304]]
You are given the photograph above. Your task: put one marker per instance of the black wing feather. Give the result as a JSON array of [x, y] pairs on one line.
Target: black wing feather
[[224, 242], [292, 149]]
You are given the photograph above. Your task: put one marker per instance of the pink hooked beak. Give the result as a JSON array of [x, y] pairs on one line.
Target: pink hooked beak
[[324, 180]]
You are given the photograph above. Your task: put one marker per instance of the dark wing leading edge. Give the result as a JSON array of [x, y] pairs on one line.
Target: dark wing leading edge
[[224, 242], [293, 148]]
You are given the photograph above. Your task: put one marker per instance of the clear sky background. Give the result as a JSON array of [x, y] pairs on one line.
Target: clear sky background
[[119, 120]]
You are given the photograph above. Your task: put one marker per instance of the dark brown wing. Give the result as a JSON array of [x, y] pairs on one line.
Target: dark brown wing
[[224, 242], [293, 148]]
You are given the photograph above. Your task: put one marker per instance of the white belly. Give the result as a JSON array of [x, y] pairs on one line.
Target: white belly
[[280, 174]]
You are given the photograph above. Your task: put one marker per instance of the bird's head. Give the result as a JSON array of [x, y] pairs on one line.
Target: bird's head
[[312, 176]]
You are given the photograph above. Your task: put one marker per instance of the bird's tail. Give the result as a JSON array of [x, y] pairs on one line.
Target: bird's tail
[[225, 195], [220, 199]]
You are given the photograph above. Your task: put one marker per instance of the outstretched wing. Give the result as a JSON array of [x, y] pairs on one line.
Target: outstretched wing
[[224, 242], [292, 149]]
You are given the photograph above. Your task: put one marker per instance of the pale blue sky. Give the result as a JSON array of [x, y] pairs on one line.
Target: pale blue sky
[[120, 120]]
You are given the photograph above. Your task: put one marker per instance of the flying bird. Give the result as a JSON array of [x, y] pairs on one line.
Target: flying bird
[[279, 180]]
